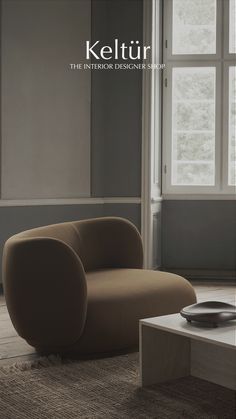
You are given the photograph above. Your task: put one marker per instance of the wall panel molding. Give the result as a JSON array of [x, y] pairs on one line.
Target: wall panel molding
[[78, 201]]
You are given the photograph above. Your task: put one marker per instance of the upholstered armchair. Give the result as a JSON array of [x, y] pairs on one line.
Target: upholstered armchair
[[79, 287]]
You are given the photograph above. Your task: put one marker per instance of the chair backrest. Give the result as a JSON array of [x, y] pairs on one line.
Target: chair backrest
[[100, 243], [109, 242]]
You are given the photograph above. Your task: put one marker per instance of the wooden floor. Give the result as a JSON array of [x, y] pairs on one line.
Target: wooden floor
[[14, 349]]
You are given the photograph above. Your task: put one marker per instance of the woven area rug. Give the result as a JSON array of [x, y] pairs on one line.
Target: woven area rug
[[105, 388]]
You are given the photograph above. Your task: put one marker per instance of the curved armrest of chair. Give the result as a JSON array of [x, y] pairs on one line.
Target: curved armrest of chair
[[45, 289], [109, 242]]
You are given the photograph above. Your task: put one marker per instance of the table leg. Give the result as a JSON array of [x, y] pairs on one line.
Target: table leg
[[163, 356], [214, 363]]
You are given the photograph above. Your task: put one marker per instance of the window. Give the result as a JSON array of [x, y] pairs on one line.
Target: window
[[199, 118], [193, 126], [195, 21]]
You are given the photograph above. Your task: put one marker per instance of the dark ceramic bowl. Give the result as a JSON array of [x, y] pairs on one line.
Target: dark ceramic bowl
[[212, 312]]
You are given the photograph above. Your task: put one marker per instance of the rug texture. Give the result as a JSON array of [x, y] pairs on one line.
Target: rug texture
[[105, 388]]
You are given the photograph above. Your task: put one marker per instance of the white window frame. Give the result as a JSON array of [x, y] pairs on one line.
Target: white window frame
[[227, 54], [221, 61], [225, 144]]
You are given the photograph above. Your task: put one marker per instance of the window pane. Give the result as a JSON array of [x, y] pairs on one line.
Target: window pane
[[193, 126], [232, 32], [232, 125], [194, 27]]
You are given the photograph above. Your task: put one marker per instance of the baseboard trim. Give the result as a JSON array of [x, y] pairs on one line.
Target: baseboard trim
[[206, 274]]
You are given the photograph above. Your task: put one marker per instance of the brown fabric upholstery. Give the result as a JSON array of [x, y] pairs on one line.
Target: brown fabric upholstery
[[45, 290], [79, 288], [109, 242], [117, 299]]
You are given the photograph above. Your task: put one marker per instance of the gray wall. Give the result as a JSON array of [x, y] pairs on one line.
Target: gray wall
[[16, 219], [45, 105], [199, 235], [130, 211], [116, 105]]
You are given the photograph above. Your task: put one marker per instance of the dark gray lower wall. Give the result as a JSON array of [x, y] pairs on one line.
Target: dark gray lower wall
[[130, 211], [199, 235], [16, 219]]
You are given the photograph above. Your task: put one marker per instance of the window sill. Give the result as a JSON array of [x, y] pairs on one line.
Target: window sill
[[198, 197]]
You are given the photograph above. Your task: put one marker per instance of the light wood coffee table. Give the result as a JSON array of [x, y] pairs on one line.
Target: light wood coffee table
[[170, 348]]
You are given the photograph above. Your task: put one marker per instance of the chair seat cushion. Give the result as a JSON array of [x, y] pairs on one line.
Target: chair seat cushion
[[118, 298]]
